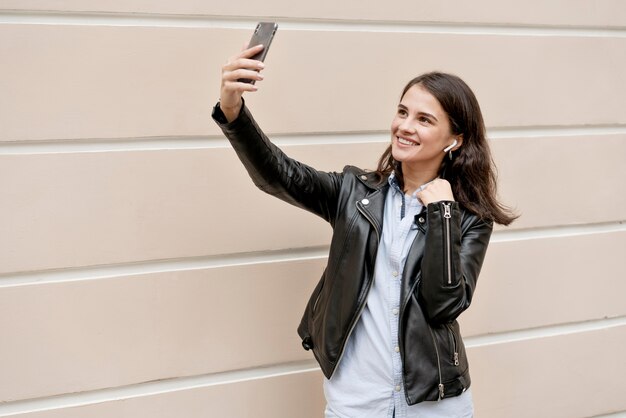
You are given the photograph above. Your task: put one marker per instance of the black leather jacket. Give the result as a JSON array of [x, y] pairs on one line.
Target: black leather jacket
[[437, 283]]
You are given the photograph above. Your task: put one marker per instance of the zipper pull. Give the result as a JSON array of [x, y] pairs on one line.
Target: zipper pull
[[446, 211], [440, 391], [456, 358]]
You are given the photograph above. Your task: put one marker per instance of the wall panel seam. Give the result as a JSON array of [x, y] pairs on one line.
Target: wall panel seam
[[547, 331], [154, 388], [265, 372], [162, 266], [110, 271], [558, 231], [318, 24], [66, 146], [616, 414]]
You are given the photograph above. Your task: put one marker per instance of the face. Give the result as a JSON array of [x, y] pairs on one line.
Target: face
[[420, 131]]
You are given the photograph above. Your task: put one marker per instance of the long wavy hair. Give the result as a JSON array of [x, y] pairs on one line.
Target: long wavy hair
[[471, 171]]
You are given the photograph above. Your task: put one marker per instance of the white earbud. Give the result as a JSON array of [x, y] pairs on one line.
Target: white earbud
[[448, 148]]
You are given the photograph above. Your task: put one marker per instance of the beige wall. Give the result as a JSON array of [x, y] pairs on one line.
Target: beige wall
[[142, 275]]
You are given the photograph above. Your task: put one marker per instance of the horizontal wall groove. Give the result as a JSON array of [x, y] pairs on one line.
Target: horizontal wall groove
[[154, 388], [617, 414], [64, 146], [544, 332], [296, 23], [264, 372], [161, 266], [263, 257], [558, 231]]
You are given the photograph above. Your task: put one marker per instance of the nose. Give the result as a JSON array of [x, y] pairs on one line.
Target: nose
[[407, 126]]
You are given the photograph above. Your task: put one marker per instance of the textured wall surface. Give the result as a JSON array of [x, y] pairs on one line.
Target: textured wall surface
[[143, 275]]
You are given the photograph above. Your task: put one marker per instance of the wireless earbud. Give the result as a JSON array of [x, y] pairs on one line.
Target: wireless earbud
[[448, 148]]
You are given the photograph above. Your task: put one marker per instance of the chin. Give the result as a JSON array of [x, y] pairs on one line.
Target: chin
[[399, 155], [396, 155]]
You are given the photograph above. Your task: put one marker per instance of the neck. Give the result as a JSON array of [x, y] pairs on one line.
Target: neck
[[414, 178]]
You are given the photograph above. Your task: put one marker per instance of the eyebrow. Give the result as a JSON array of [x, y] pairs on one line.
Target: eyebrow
[[403, 107]]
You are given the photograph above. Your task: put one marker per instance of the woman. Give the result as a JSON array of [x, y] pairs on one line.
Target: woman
[[408, 243]]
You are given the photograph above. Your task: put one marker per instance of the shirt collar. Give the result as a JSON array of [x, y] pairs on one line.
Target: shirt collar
[[393, 182]]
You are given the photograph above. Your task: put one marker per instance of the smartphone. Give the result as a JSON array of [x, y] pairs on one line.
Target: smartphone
[[263, 34]]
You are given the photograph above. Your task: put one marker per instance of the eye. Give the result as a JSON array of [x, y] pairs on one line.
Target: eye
[[425, 120], [402, 112]]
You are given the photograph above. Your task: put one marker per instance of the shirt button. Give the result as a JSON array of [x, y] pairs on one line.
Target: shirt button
[[421, 220], [365, 201], [394, 274], [363, 177], [397, 349], [398, 388], [395, 311]]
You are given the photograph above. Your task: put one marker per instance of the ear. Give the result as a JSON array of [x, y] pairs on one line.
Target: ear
[[459, 140], [456, 144]]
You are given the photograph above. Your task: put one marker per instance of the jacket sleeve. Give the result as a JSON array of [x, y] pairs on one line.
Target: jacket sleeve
[[453, 256], [274, 172]]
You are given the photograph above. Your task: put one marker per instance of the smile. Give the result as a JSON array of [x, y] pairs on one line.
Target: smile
[[403, 141]]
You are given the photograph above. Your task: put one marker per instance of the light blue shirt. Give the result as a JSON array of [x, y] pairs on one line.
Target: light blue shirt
[[368, 380]]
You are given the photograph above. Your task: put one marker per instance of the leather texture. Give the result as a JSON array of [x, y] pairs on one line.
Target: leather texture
[[438, 281]]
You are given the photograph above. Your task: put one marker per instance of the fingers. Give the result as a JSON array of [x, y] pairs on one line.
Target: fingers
[[240, 73], [439, 183], [237, 63], [239, 67], [437, 190], [247, 52], [233, 85]]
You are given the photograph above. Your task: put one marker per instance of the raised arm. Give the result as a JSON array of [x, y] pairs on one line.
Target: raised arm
[[270, 169]]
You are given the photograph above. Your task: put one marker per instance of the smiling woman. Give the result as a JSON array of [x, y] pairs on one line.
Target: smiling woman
[[418, 135], [439, 111], [408, 244]]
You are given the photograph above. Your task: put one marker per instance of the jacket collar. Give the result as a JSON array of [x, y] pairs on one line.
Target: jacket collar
[[372, 204], [372, 181]]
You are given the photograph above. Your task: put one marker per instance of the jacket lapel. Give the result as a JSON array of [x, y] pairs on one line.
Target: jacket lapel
[[372, 206]]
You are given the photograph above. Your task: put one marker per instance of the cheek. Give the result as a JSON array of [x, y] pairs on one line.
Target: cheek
[[432, 137], [395, 122]]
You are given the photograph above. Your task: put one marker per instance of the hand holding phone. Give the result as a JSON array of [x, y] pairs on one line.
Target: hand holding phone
[[263, 35], [241, 70]]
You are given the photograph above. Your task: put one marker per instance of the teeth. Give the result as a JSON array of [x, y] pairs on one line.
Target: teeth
[[405, 142]]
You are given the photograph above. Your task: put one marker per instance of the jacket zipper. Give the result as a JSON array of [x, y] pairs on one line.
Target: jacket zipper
[[455, 357], [446, 221], [362, 302], [440, 386]]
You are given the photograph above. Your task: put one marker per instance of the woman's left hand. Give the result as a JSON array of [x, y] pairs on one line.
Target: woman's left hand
[[437, 190]]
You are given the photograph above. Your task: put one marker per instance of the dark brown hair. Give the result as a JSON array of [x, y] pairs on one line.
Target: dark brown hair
[[471, 172]]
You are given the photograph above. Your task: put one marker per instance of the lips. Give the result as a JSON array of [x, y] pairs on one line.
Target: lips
[[406, 142]]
